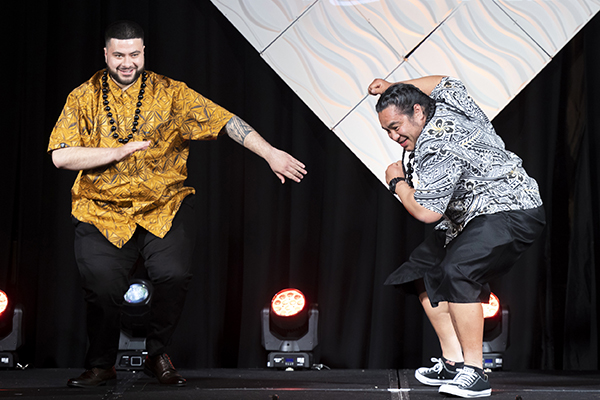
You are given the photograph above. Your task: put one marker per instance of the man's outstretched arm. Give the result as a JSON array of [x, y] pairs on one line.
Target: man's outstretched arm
[[80, 158], [282, 164]]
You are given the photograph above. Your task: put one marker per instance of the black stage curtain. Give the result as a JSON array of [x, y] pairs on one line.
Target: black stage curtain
[[336, 236]]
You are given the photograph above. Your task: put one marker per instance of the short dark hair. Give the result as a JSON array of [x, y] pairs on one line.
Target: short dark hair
[[123, 30], [404, 96]]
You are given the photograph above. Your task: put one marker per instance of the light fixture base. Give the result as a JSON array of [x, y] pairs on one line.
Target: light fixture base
[[13, 340], [8, 359], [130, 360], [492, 361], [289, 360], [306, 343]]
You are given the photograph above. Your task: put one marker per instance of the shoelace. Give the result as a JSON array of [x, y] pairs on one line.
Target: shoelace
[[438, 366], [465, 378]]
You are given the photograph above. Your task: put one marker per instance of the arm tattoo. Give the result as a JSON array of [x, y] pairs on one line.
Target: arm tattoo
[[238, 129]]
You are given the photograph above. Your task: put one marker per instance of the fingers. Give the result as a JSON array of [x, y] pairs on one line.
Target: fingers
[[137, 146], [294, 172], [378, 86], [144, 145], [299, 168], [281, 177], [375, 87], [131, 147], [394, 170], [286, 166]]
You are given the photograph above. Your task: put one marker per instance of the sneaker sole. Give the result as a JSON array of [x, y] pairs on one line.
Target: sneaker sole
[[469, 394]]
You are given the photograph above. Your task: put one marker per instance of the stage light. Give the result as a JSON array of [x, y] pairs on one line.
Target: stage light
[[3, 302], [289, 330], [495, 332], [491, 308], [11, 317], [288, 302], [137, 293], [289, 314], [6, 311], [134, 325]]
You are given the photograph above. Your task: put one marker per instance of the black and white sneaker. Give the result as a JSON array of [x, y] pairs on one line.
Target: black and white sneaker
[[468, 383], [437, 375]]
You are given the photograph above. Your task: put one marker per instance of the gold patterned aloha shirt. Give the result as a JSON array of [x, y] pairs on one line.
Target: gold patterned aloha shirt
[[146, 188]]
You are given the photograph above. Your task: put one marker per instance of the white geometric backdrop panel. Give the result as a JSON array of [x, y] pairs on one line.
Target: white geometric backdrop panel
[[328, 51]]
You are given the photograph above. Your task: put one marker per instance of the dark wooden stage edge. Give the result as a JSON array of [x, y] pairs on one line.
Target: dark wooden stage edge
[[268, 384]]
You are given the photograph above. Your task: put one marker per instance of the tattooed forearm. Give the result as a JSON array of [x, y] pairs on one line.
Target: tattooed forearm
[[238, 129], [281, 163]]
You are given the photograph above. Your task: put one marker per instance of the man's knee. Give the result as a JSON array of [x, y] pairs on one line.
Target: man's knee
[[173, 274]]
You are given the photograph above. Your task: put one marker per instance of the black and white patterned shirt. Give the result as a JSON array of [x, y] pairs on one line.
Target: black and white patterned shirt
[[462, 168]]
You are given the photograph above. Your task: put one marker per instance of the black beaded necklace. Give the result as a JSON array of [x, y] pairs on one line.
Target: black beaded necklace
[[109, 114], [408, 171]]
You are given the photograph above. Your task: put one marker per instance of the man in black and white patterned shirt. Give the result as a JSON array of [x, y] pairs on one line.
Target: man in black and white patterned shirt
[[489, 211]]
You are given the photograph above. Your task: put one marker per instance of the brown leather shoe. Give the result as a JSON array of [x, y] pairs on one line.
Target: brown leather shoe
[[93, 377], [161, 367]]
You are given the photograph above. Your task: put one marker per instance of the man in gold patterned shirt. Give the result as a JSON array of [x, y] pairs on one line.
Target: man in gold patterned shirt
[[127, 131]]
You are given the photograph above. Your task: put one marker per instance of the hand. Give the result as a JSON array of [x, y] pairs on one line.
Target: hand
[[284, 165], [131, 147], [378, 86], [394, 170]]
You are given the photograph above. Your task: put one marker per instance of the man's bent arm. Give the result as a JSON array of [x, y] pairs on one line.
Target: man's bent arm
[[282, 164], [426, 84], [407, 196], [81, 158]]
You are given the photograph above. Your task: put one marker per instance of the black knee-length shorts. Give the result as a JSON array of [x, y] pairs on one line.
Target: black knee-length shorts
[[461, 271]]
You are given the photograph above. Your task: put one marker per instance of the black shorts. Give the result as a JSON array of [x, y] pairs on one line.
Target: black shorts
[[460, 272]]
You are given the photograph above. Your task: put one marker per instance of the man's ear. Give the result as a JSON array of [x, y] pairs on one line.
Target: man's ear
[[418, 111]]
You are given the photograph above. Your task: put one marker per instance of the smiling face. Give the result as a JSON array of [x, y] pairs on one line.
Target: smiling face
[[401, 128], [124, 60]]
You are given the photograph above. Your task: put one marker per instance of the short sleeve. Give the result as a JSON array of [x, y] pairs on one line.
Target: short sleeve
[[202, 118], [69, 127], [453, 93]]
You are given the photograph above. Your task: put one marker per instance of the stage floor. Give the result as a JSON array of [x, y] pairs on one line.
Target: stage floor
[[267, 384]]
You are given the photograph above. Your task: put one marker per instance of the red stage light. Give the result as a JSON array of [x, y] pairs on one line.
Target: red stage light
[[289, 329], [491, 308], [3, 302], [288, 302]]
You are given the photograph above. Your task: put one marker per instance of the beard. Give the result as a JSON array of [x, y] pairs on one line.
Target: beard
[[114, 74]]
